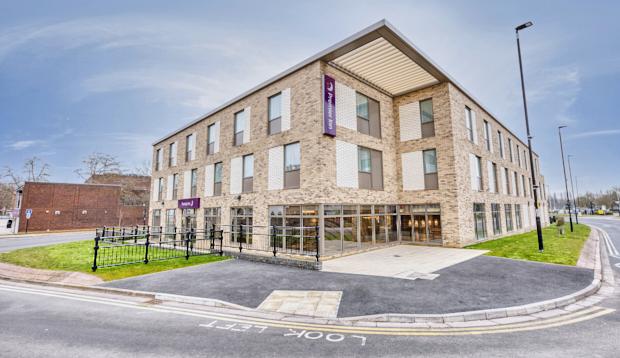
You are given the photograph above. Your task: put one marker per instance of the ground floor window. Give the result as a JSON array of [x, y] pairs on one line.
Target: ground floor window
[[241, 221], [518, 216], [170, 221], [497, 219], [295, 226], [508, 212], [213, 219], [420, 223], [156, 220], [479, 221], [189, 219]]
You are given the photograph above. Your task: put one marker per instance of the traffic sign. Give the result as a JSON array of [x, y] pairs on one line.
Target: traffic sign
[[28, 213]]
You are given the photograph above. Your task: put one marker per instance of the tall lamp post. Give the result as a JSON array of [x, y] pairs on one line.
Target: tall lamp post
[[570, 216], [529, 139], [572, 189]]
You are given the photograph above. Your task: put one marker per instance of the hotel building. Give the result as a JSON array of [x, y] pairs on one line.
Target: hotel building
[[369, 140]]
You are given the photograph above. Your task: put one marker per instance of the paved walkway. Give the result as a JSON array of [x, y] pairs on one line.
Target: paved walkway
[[30, 274], [480, 283], [402, 261]]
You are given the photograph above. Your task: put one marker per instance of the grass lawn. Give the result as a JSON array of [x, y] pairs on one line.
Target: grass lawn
[[563, 250], [78, 256]]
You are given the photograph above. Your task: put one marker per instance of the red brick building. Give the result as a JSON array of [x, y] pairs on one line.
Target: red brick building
[[62, 206]]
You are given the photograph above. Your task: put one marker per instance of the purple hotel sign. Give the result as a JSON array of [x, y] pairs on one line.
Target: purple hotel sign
[[193, 203], [329, 106]]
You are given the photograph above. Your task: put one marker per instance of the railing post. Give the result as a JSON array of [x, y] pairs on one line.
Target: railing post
[[212, 234], [239, 237], [97, 238], [316, 241], [187, 235], [274, 238], [221, 231], [146, 249], [174, 240], [103, 231], [159, 235]]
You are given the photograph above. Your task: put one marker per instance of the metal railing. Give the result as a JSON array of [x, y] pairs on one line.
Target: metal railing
[[115, 246]]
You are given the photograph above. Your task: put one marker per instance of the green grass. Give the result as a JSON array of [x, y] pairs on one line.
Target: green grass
[[564, 250], [78, 256]]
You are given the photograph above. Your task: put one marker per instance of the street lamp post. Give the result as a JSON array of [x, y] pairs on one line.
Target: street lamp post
[[570, 216], [529, 139], [572, 189]]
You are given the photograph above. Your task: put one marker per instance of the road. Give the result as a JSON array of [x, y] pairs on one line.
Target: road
[[20, 242], [39, 323]]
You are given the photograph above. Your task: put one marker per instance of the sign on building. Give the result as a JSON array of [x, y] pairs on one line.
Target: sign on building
[[329, 106], [193, 203], [28, 213]]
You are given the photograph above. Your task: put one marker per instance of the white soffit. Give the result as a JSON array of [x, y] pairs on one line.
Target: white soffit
[[385, 66]]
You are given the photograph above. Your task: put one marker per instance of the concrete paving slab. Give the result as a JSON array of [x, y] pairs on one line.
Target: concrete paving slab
[[307, 303], [401, 261]]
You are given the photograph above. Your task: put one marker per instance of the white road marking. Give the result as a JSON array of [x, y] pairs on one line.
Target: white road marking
[[611, 248]]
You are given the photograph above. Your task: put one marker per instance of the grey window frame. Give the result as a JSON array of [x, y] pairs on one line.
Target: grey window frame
[[158, 159], [487, 134], [217, 184], [292, 177], [156, 213], [500, 142], [508, 217], [188, 150], [373, 179], [238, 135], [172, 159], [371, 125], [274, 123], [427, 127], [510, 153], [210, 145], [479, 210], [175, 186], [431, 178], [160, 189], [248, 181], [496, 215], [470, 124], [193, 183]]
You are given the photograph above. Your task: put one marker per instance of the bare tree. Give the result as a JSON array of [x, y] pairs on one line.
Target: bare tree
[[34, 169], [99, 163], [143, 168], [7, 197]]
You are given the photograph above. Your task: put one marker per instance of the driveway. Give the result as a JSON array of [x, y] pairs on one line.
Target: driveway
[[20, 242], [480, 283]]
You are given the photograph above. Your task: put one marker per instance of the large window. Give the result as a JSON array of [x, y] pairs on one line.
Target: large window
[[292, 165], [368, 121], [516, 184], [487, 135], [476, 175], [431, 180], [248, 173], [217, 179], [496, 212], [500, 139], [508, 214], [160, 189], [512, 159], [480, 227], [241, 219], [172, 154], [190, 145], [507, 181], [518, 216], [213, 219], [211, 138], [524, 185], [427, 118], [295, 226], [518, 156], [194, 183], [493, 186], [175, 186], [158, 159], [370, 169], [239, 128], [156, 221], [170, 220], [275, 113], [469, 123]]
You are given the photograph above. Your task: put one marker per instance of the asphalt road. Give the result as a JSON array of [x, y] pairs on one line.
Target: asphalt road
[[20, 242], [611, 226]]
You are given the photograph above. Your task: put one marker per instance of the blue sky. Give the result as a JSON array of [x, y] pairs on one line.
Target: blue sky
[[78, 77]]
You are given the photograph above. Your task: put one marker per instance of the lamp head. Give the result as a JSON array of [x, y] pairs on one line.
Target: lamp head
[[523, 26], [560, 127]]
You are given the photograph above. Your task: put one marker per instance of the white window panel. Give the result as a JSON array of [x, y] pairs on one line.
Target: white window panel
[[503, 178], [286, 110], [209, 179], [474, 171], [410, 124], [346, 110], [236, 173], [187, 183], [247, 114], [276, 168], [216, 133], [346, 164], [169, 187], [413, 170], [491, 177]]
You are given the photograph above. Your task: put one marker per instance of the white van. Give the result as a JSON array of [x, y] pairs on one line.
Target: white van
[[8, 225]]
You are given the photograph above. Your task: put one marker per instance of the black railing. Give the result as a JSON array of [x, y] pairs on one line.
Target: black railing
[[115, 246]]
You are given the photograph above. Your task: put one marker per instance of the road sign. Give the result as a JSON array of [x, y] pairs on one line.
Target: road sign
[[28, 213]]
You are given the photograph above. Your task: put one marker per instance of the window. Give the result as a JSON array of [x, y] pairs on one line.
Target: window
[[160, 189], [158, 159], [296, 227], [516, 184], [172, 154], [469, 123], [175, 186], [217, 179], [518, 216], [211, 138], [213, 219], [239, 127], [496, 213], [500, 138], [510, 150], [480, 229], [431, 180], [370, 169], [518, 156], [476, 174], [508, 211], [427, 118], [194, 183], [275, 114], [156, 221], [368, 121], [493, 186], [170, 221], [523, 185], [292, 165], [190, 145], [241, 219], [507, 182], [487, 135], [525, 161], [248, 173]]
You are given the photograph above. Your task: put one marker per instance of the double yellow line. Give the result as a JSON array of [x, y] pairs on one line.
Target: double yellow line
[[570, 318]]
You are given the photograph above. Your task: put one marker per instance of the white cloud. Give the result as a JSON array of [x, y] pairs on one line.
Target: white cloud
[[604, 132], [22, 144]]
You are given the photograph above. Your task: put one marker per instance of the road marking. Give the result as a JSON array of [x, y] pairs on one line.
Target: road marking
[[611, 248], [570, 318]]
